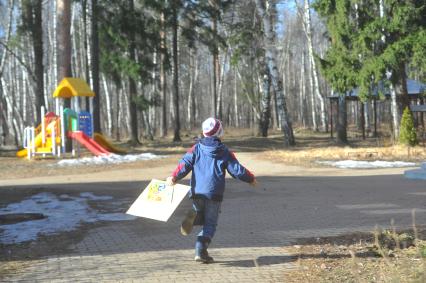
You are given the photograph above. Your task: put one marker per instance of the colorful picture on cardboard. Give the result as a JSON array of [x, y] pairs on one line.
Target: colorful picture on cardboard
[[158, 191]]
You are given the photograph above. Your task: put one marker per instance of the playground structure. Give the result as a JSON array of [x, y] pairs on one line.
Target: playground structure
[[49, 138]]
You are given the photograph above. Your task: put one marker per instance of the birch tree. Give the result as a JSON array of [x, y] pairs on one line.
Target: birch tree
[[314, 71], [4, 131], [264, 8]]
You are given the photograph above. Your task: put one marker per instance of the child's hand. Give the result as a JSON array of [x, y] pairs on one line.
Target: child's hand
[[254, 183], [170, 181]]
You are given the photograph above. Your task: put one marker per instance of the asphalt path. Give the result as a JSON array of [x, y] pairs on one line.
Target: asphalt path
[[279, 210]]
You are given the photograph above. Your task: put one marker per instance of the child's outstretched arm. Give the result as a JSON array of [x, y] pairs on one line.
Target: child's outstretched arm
[[238, 171], [185, 166]]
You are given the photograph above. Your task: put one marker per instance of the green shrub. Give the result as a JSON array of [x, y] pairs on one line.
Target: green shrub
[[407, 133]]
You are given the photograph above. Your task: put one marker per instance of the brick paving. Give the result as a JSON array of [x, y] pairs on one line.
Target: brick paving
[[254, 227]]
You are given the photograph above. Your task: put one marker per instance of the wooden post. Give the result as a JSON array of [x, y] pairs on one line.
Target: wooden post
[[362, 120], [331, 117], [375, 118]]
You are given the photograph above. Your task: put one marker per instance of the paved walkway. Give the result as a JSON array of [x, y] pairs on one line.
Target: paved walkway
[[254, 227]]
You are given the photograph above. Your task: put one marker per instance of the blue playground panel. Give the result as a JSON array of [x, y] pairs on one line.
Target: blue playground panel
[[85, 122]]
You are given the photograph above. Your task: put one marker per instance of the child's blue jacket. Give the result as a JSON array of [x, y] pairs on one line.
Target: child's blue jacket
[[209, 159]]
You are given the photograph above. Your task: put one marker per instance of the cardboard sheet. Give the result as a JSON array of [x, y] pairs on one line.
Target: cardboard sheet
[[158, 201]]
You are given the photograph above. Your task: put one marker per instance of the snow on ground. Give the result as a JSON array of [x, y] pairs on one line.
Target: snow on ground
[[63, 213], [109, 159], [357, 164]]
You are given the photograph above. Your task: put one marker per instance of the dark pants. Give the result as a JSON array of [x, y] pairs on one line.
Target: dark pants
[[209, 211]]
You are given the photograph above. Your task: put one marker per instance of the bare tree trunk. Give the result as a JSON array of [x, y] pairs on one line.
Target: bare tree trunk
[[63, 14], [33, 12], [163, 86], [275, 76], [236, 113], [55, 70], [367, 125], [220, 87], [341, 124], [13, 113], [25, 96], [126, 105], [85, 41], [108, 105], [94, 46], [193, 79], [8, 32], [314, 71], [64, 39], [399, 88], [312, 96], [216, 66], [119, 115], [265, 101], [152, 96], [302, 91], [176, 137], [134, 136], [5, 126]]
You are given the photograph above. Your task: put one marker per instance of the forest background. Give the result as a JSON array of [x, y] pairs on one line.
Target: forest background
[[160, 67]]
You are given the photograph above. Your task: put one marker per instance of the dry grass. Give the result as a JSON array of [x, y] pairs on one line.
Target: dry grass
[[312, 146], [359, 258], [308, 156]]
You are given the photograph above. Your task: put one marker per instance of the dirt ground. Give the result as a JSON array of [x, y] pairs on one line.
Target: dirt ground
[[310, 147]]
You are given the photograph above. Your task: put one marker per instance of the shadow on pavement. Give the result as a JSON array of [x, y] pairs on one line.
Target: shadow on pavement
[[272, 260], [260, 261]]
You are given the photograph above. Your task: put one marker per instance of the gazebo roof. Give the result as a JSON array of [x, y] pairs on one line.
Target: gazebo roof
[[70, 87], [414, 89]]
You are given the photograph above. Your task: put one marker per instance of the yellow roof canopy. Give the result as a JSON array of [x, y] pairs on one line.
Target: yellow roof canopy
[[70, 87]]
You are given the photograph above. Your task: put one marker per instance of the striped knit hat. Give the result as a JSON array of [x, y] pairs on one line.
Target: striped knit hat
[[212, 128]]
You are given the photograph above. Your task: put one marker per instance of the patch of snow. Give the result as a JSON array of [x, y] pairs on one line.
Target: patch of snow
[[356, 164], [62, 214], [91, 196], [109, 159]]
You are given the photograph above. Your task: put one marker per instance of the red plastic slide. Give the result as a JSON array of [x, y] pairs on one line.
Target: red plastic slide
[[89, 143]]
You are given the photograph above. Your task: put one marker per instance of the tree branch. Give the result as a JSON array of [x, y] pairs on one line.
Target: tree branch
[[29, 71]]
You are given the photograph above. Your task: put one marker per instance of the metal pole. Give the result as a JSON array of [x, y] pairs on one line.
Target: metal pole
[[77, 110], [62, 125], [53, 137], [57, 106]]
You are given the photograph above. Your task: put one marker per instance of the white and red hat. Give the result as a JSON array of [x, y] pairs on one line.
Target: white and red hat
[[212, 128]]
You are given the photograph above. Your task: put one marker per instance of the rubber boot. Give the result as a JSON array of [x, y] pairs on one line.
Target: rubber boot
[[188, 222], [201, 254]]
